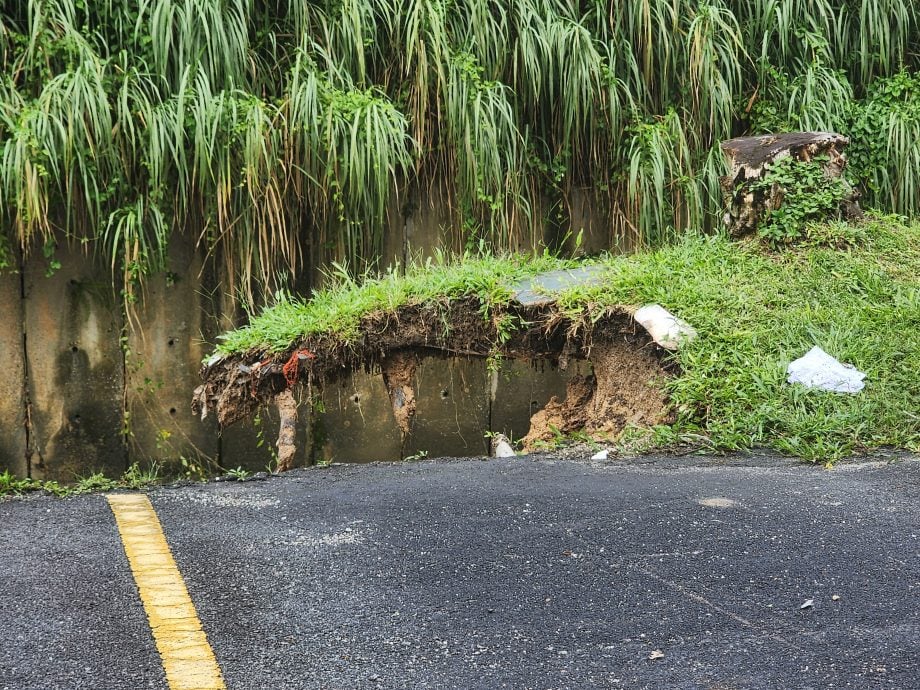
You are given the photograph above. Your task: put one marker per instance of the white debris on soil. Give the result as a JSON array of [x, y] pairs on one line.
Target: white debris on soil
[[817, 369], [602, 455], [503, 449], [666, 329]]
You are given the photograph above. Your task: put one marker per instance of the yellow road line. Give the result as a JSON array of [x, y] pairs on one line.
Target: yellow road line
[[187, 657]]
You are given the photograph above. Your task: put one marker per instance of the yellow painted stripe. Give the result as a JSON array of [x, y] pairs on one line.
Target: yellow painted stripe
[[187, 657]]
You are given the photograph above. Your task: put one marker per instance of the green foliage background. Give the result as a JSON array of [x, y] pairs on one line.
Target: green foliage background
[[265, 127]]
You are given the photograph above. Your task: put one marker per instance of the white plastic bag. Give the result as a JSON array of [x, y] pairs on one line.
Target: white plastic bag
[[817, 369]]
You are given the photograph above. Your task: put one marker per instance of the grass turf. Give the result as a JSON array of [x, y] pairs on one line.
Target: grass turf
[[853, 290]]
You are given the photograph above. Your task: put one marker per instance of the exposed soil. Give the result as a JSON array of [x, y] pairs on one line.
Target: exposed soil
[[287, 433], [625, 388], [398, 376]]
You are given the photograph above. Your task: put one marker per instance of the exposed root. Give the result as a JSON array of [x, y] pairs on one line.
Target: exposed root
[[398, 376], [291, 368], [287, 432]]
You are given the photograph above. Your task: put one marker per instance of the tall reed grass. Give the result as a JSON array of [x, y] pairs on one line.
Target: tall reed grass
[[266, 128]]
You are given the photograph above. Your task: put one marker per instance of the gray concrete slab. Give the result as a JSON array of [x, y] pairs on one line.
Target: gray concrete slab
[[357, 424], [430, 226], [541, 289], [13, 441], [73, 323], [164, 356], [452, 408]]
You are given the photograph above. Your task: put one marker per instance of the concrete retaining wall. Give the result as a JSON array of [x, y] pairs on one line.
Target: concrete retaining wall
[[90, 385]]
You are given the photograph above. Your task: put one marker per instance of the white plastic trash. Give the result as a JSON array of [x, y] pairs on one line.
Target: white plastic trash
[[503, 449], [666, 329], [601, 455], [817, 369]]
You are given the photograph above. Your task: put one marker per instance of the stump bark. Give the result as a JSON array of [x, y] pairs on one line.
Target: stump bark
[[749, 159]]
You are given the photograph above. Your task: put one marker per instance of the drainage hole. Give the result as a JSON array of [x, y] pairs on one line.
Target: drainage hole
[[355, 398], [445, 394], [172, 410]]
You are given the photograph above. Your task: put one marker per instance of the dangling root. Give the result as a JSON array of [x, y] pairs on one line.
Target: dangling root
[[398, 374], [287, 432]]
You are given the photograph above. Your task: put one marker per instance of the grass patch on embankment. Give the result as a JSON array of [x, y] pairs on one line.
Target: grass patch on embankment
[[853, 290]]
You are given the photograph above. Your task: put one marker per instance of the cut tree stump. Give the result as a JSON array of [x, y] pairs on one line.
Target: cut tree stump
[[750, 158]]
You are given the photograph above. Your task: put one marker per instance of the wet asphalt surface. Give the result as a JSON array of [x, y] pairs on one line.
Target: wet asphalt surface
[[512, 573]]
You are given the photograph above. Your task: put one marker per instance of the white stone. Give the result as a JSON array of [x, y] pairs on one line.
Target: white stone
[[503, 449], [666, 329]]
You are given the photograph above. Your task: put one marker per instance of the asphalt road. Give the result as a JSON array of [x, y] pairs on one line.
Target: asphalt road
[[513, 573]]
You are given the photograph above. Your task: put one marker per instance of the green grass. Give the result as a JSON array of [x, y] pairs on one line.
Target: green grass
[[338, 309], [134, 477], [850, 289]]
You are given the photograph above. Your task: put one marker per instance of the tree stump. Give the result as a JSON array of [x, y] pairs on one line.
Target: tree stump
[[750, 159]]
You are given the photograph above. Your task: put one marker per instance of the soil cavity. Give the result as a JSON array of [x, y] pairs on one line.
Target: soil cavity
[[624, 389]]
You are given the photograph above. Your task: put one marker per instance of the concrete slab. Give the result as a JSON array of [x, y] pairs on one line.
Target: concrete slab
[[589, 216], [73, 325], [13, 441], [164, 355], [452, 413], [429, 224], [540, 289], [357, 424]]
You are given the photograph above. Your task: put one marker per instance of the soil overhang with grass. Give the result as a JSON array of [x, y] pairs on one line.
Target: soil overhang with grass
[[850, 288], [626, 386]]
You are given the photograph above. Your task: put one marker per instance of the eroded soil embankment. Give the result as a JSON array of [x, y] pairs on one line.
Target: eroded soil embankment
[[625, 387]]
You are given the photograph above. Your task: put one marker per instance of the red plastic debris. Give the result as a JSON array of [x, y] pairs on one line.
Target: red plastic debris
[[291, 368]]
